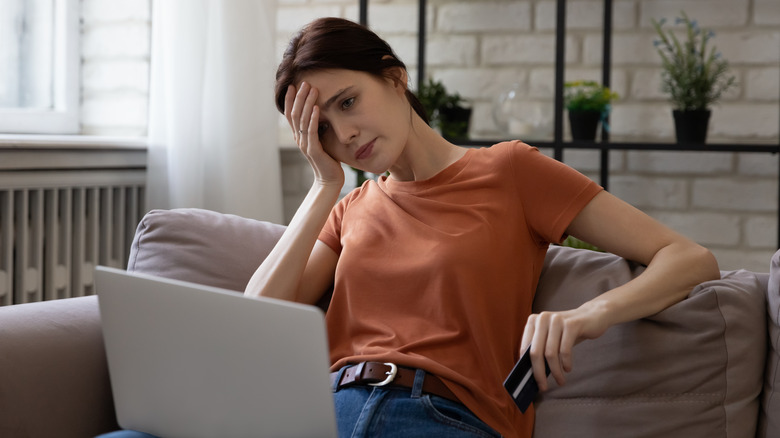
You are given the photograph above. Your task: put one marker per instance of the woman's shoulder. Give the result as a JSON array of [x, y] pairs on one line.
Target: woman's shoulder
[[514, 151], [514, 147], [365, 190]]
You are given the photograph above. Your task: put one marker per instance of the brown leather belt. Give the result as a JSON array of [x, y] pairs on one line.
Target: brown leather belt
[[381, 374]]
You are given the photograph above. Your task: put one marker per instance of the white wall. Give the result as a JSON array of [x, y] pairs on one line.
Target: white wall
[[479, 48]]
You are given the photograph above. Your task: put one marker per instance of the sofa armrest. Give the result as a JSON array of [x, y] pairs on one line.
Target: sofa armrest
[[53, 373]]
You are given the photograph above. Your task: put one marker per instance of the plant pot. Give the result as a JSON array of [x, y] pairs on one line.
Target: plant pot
[[691, 126], [455, 122], [584, 124]]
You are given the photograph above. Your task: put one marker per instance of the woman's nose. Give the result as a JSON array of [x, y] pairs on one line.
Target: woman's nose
[[345, 132]]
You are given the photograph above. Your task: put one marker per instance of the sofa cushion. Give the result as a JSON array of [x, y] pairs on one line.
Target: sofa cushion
[[693, 369], [201, 246], [769, 420]]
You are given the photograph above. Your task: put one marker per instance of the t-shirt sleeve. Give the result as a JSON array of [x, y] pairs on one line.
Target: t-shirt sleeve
[[552, 193], [331, 232]]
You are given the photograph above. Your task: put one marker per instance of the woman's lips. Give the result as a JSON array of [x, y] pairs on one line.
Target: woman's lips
[[365, 150]]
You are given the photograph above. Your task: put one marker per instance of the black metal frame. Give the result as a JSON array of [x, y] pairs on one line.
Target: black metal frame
[[604, 145]]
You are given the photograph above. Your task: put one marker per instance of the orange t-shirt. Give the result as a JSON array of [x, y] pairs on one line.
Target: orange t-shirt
[[440, 274]]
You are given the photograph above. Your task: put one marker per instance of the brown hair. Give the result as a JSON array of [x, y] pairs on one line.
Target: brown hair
[[336, 43]]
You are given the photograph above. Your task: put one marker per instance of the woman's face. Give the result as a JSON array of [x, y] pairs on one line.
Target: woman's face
[[364, 120]]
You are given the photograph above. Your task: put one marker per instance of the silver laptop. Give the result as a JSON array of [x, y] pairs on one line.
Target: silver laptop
[[193, 361]]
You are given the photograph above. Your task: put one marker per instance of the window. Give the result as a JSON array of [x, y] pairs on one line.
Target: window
[[39, 66]]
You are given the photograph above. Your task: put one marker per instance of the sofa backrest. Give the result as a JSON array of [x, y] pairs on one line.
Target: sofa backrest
[[695, 369]]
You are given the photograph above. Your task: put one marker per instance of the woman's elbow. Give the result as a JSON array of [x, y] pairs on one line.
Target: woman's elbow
[[704, 263]]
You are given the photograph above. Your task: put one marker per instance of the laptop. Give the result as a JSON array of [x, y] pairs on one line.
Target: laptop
[[193, 361]]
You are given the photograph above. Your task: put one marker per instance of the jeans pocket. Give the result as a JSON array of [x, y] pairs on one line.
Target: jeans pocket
[[457, 416]]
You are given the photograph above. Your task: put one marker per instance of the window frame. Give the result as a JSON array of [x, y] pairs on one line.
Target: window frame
[[64, 117]]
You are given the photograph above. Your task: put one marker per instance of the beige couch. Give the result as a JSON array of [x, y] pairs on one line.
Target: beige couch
[[706, 367]]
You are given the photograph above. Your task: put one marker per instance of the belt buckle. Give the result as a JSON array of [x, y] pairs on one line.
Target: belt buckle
[[390, 375]]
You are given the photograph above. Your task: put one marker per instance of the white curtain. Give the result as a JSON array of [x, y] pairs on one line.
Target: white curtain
[[212, 120]]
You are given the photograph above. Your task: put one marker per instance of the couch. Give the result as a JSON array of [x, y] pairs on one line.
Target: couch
[[705, 367]]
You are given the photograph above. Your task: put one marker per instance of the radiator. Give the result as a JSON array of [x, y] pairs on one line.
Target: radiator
[[52, 238]]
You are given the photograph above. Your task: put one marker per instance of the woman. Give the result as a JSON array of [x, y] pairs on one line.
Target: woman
[[434, 267]]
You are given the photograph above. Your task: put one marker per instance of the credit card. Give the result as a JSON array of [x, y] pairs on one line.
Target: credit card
[[521, 384]]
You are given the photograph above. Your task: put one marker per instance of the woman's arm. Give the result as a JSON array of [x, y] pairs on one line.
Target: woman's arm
[[300, 268], [675, 265]]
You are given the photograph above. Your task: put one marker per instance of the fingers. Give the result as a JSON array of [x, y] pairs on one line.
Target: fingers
[[298, 110], [553, 346], [550, 339], [303, 115], [528, 333], [538, 343], [289, 100], [310, 130], [568, 341]]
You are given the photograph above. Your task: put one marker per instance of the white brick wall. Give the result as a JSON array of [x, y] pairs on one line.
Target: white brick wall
[[766, 12], [481, 47], [115, 47], [761, 84], [700, 163], [734, 194], [709, 13], [711, 229], [652, 192], [483, 16]]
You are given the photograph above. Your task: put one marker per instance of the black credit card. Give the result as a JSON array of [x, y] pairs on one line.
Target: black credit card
[[521, 384]]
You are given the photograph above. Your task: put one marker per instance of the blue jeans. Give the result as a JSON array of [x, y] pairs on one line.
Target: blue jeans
[[392, 412]]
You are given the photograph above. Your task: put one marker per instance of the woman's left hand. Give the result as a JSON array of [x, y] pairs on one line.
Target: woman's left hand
[[553, 335]]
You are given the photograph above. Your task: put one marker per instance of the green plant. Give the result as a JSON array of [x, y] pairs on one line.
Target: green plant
[[446, 111], [694, 75], [587, 96], [573, 242]]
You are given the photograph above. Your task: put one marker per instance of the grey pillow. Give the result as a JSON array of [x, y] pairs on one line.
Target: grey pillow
[[769, 420], [692, 370], [201, 246]]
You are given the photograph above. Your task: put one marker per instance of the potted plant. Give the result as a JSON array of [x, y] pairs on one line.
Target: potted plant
[[588, 103], [446, 111], [694, 75]]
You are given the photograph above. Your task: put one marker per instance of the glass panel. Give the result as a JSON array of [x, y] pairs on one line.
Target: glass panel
[[27, 54]]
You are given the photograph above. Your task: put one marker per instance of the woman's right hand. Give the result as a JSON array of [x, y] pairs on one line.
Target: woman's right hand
[[303, 114]]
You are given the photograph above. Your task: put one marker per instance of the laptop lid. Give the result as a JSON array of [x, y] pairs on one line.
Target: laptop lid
[[187, 360]]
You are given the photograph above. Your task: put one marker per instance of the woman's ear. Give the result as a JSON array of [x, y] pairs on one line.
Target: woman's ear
[[399, 78], [397, 75]]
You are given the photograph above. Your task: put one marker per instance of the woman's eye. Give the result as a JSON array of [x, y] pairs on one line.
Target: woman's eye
[[348, 103], [322, 128]]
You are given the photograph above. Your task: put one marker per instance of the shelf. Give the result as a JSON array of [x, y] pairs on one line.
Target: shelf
[[605, 146]]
